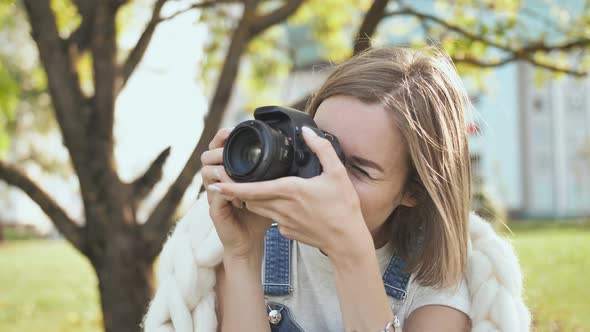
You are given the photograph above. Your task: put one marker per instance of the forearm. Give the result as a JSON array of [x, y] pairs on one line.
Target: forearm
[[243, 305], [361, 294]]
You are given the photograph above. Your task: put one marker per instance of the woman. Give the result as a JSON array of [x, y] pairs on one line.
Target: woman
[[377, 242]]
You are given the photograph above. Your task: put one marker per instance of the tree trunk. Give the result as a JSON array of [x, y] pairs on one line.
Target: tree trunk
[[126, 283], [120, 249]]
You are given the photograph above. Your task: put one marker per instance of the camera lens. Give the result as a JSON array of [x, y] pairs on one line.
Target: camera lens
[[255, 151], [246, 152], [252, 154]]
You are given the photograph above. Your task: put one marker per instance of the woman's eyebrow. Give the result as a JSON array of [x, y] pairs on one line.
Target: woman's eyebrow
[[368, 163]]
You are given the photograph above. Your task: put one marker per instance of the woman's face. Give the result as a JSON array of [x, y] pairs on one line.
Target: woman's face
[[376, 158]]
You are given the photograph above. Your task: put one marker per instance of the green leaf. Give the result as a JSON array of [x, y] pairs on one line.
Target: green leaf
[[9, 96], [66, 16]]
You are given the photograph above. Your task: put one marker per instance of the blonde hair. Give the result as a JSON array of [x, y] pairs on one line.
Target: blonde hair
[[427, 99]]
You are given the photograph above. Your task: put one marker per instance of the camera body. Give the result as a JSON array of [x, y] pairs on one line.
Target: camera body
[[272, 146]]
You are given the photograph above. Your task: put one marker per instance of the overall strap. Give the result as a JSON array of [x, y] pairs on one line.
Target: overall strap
[[277, 263], [277, 268], [395, 279]]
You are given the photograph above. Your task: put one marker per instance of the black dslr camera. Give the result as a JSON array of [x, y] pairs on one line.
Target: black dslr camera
[[272, 146]]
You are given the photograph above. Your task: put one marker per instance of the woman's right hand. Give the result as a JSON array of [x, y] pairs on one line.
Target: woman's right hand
[[241, 231]]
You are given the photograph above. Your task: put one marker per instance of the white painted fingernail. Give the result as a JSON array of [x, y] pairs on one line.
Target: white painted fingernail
[[217, 175], [308, 131], [214, 188], [229, 130]]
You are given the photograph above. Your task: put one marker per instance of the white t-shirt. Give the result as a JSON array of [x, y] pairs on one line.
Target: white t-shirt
[[314, 302]]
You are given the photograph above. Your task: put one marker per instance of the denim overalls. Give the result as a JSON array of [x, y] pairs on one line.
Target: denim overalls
[[277, 280]]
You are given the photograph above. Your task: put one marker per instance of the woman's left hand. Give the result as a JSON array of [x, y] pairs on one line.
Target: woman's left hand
[[323, 211]]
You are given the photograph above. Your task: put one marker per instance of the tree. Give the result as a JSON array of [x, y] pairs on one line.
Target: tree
[[122, 248]]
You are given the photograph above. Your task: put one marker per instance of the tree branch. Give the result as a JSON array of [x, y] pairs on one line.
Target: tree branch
[[481, 63], [136, 54], [538, 46], [58, 216], [82, 36], [362, 40], [369, 25], [279, 15], [199, 5], [101, 121], [63, 80], [156, 227], [522, 53], [63, 83], [144, 184], [543, 19], [491, 64], [159, 222]]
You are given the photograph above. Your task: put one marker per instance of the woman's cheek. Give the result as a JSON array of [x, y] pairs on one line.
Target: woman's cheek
[[376, 205], [369, 197]]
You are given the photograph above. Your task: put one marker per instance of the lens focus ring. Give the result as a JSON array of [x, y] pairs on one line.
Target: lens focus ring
[[255, 151]]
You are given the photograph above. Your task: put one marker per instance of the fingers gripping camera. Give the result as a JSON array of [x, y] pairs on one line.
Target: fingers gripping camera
[[272, 146]]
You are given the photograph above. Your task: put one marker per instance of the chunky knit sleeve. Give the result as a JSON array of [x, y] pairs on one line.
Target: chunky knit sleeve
[[185, 298], [494, 279]]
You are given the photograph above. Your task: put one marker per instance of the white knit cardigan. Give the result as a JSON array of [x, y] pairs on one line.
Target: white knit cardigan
[[185, 299]]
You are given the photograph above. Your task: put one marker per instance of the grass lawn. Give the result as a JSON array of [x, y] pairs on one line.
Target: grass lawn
[[48, 286], [556, 265]]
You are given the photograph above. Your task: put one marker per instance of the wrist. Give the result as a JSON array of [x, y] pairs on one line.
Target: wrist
[[352, 249], [240, 266], [250, 260]]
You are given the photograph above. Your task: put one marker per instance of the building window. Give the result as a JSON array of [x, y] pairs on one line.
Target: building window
[[537, 105]]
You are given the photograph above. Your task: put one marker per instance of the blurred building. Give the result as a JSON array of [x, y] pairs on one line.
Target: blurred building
[[554, 135], [533, 152]]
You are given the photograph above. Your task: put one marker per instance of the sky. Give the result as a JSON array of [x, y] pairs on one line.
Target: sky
[[163, 104]]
